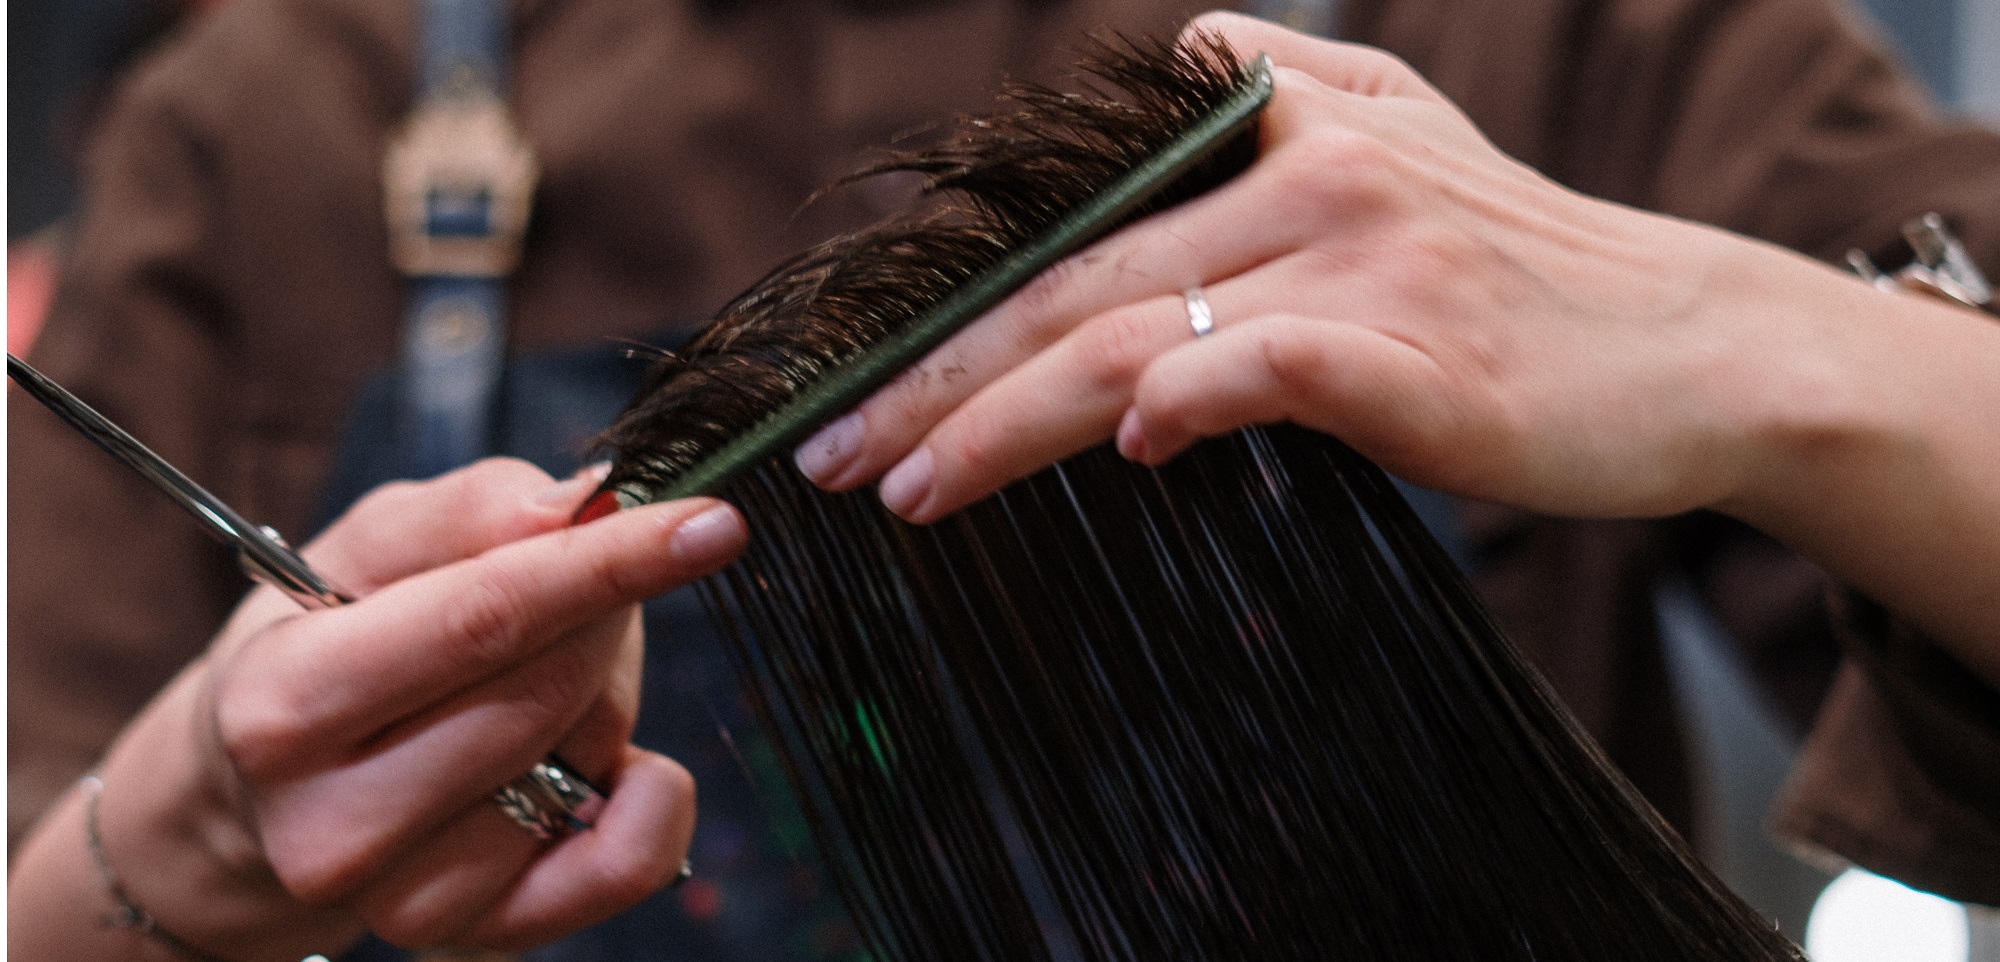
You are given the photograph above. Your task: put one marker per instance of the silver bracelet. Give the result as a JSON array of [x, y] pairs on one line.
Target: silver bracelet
[[128, 914]]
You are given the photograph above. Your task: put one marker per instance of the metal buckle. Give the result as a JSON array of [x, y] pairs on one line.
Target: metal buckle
[[1942, 267], [457, 180]]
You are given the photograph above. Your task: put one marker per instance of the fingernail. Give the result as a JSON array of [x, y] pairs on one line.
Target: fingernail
[[1131, 439], [709, 537], [909, 483], [565, 491], [826, 454]]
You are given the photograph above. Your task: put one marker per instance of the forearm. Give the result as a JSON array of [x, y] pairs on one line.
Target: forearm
[[177, 851], [1877, 455]]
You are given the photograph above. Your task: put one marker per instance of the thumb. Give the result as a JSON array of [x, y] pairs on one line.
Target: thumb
[[407, 528]]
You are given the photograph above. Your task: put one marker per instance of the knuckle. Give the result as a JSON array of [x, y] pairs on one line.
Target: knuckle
[[1295, 363], [1378, 61], [317, 867], [1204, 23], [551, 695], [1038, 304], [393, 492], [611, 571], [1333, 173], [516, 475], [263, 728], [1117, 347], [680, 785], [482, 625], [391, 498], [979, 448]]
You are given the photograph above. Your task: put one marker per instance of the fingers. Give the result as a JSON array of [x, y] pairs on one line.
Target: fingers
[[1310, 130], [483, 881], [440, 889], [405, 528], [973, 453], [361, 729], [1072, 394], [330, 823], [1143, 374], [1383, 395], [637, 847], [341, 676], [1199, 242]]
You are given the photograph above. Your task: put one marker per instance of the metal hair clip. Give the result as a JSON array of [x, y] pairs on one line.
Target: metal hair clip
[[550, 801]]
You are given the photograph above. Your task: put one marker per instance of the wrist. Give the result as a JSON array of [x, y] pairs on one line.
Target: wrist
[[1869, 448], [1805, 390], [182, 848]]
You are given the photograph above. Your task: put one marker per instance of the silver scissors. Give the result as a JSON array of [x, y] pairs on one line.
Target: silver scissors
[[549, 801], [260, 551]]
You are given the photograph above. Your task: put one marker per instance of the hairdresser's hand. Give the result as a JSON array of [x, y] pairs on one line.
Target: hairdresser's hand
[[1383, 274], [319, 772]]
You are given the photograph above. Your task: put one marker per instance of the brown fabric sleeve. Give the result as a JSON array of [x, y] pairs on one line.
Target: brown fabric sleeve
[[92, 630], [1780, 119], [1901, 775]]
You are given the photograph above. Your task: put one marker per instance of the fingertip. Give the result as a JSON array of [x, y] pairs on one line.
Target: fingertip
[[1132, 436], [710, 538], [1150, 445], [636, 849], [906, 489], [827, 457]]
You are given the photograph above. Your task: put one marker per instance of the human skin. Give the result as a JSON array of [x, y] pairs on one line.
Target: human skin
[[316, 774], [1383, 274]]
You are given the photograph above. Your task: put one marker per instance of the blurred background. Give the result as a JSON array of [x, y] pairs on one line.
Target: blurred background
[[57, 50], [62, 53]]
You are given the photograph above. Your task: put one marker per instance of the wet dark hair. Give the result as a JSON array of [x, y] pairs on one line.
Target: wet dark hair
[[1238, 707]]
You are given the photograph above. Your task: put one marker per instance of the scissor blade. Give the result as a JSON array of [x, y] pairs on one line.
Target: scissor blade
[[262, 554]]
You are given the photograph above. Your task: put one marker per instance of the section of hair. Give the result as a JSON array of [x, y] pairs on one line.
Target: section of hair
[[1238, 708], [996, 182]]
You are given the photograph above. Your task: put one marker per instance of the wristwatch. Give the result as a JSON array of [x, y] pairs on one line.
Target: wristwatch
[[1941, 266]]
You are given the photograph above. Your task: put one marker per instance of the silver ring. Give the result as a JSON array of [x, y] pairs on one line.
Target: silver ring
[[549, 801], [1199, 316]]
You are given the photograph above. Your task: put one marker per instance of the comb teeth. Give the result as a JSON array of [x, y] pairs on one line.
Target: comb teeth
[[1020, 189]]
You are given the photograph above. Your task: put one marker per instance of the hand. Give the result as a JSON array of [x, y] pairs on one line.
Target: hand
[[1382, 273], [337, 767]]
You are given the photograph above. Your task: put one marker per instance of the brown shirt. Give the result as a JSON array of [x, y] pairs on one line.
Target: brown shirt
[[231, 287]]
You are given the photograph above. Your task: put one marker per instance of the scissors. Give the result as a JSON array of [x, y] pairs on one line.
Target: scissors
[[549, 801], [260, 551]]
